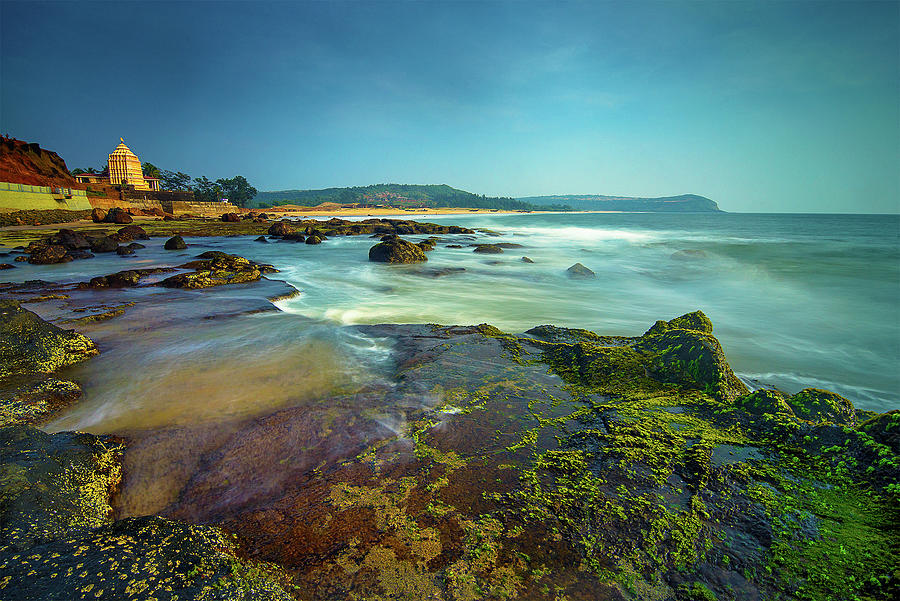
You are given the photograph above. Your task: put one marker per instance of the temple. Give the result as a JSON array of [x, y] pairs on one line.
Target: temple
[[123, 169]]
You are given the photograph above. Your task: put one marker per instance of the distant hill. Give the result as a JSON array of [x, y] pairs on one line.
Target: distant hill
[[401, 195], [685, 203]]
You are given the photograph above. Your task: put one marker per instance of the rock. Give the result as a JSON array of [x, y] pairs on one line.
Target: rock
[[118, 215], [440, 271], [294, 237], [261, 239], [696, 320], [580, 271], [58, 535], [527, 260], [6, 266], [313, 239], [217, 269], [396, 250], [123, 279], [168, 217], [508, 245], [884, 429], [764, 401], [80, 254], [30, 345], [454, 246], [132, 232], [280, 228], [816, 405], [71, 240], [231, 217], [53, 253], [103, 244], [175, 243], [691, 357], [98, 215], [124, 250], [33, 402], [427, 245], [20, 259], [492, 249]]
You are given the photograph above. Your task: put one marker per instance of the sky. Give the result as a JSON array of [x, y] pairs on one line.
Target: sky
[[761, 106]]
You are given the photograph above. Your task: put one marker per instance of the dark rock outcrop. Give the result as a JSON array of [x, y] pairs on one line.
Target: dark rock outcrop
[[175, 243], [396, 250], [488, 249], [118, 215], [131, 232], [103, 244], [98, 215], [49, 254], [217, 269], [231, 217], [280, 228], [30, 345]]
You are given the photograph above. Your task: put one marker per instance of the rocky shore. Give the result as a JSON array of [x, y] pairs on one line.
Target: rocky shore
[[552, 464]]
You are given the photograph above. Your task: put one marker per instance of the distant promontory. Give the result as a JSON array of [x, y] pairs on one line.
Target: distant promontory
[[684, 203]]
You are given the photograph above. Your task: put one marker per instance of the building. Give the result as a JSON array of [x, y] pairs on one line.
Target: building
[[123, 168]]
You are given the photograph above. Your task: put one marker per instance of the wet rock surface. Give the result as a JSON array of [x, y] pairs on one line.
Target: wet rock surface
[[30, 345], [393, 249], [216, 268]]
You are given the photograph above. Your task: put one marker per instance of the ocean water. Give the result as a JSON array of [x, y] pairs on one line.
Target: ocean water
[[796, 300]]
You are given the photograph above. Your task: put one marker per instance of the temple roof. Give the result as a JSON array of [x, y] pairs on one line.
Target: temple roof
[[122, 149]]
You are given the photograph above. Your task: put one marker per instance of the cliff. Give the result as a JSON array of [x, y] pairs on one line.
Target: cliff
[[24, 163]]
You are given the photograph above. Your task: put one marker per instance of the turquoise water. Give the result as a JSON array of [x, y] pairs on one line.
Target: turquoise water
[[797, 300]]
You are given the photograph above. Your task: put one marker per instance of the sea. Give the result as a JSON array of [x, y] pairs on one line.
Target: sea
[[797, 301]]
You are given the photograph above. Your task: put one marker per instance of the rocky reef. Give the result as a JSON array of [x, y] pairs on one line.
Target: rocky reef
[[553, 464]]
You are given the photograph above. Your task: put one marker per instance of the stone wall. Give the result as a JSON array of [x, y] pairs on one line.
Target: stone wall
[[207, 209], [25, 197]]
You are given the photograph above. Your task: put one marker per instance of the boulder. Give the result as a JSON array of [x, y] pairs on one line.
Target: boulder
[[294, 237], [118, 215], [489, 249], [168, 217], [71, 239], [261, 239], [30, 345], [53, 253], [313, 239], [527, 260], [175, 243], [98, 215], [6, 266], [280, 229], [131, 232], [816, 405], [696, 320], [103, 244], [231, 217], [580, 271], [396, 250]]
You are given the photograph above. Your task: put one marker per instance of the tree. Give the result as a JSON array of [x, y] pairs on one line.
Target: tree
[[237, 190], [206, 190], [150, 170], [171, 180]]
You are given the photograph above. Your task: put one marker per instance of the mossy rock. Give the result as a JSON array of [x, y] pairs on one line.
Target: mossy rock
[[816, 405], [765, 401], [30, 345], [33, 402], [52, 484], [884, 429], [696, 320], [692, 358], [138, 558], [175, 243], [396, 250]]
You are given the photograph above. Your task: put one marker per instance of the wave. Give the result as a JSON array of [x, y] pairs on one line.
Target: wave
[[584, 234]]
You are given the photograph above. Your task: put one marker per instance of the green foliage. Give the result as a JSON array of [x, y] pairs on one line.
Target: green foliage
[[174, 180], [402, 195], [206, 190], [150, 170], [237, 190]]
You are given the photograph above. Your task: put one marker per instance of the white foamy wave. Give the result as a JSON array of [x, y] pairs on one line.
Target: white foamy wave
[[584, 234]]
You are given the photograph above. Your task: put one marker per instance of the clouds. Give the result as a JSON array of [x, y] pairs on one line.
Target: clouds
[[736, 101]]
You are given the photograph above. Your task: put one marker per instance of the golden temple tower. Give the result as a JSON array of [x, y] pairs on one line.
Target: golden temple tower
[[125, 168]]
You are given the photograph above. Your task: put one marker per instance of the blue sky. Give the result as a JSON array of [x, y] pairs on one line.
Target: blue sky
[[760, 106]]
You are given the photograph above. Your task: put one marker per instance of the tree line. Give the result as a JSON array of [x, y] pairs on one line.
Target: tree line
[[236, 190]]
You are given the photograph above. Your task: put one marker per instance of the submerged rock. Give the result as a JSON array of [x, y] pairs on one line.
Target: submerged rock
[[527, 260], [33, 402], [580, 271], [489, 249], [103, 244], [217, 269], [52, 253], [30, 345], [175, 243], [396, 250]]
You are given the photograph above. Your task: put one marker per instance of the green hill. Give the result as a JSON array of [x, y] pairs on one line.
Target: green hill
[[685, 203], [401, 195]]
